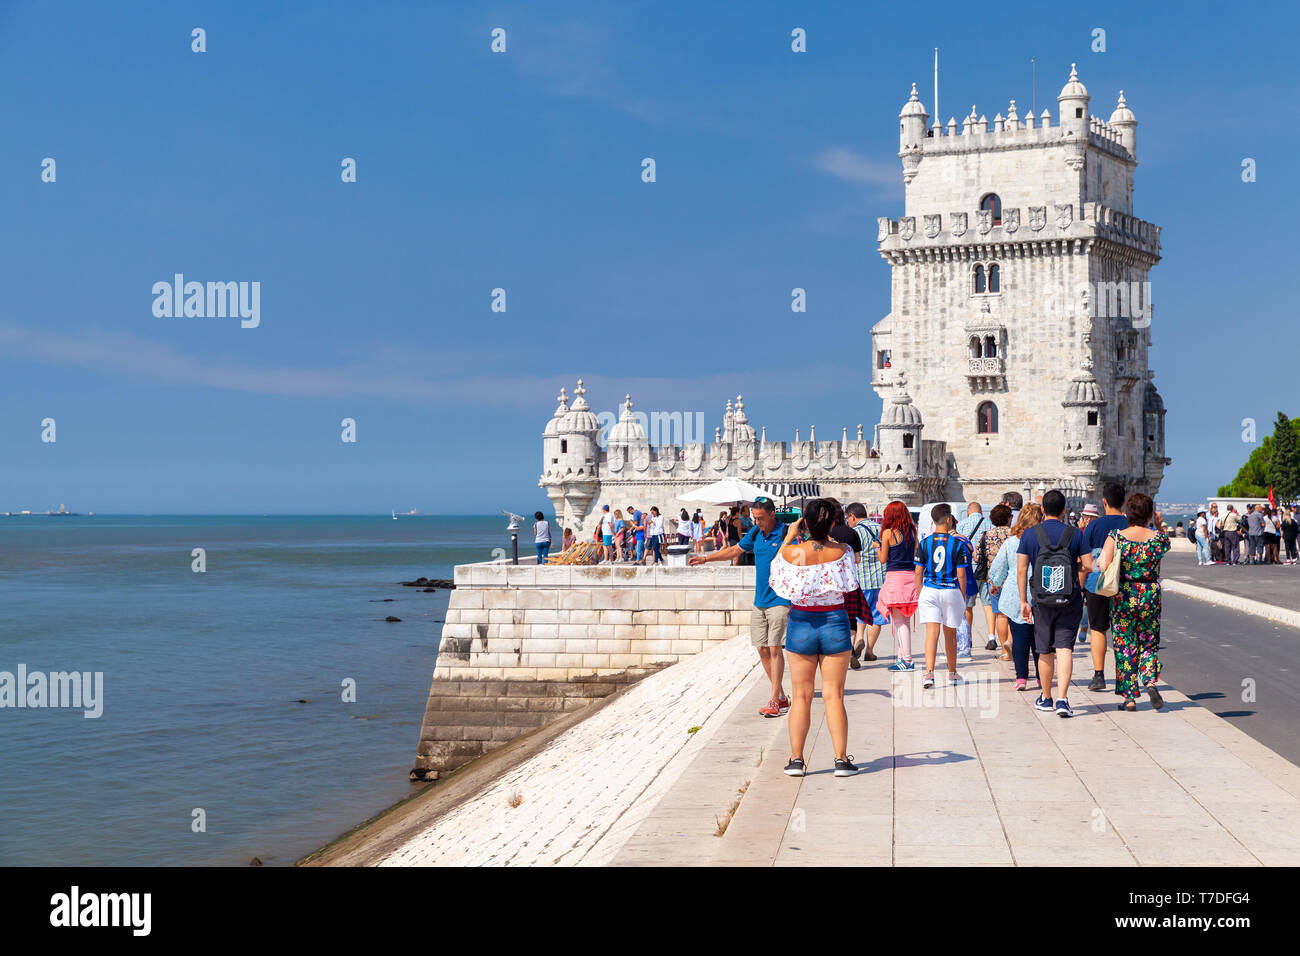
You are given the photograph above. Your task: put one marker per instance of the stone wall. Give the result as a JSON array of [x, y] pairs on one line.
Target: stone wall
[[523, 645]]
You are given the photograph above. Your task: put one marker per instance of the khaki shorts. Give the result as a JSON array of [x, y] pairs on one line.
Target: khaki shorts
[[767, 625]]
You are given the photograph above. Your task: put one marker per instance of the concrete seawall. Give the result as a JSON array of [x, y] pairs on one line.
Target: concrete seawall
[[524, 645]]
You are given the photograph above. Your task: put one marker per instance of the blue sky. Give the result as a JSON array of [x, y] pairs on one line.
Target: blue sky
[[522, 171]]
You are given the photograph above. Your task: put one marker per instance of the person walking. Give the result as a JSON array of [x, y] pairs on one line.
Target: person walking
[[1098, 606], [697, 533], [814, 576], [991, 541], [620, 536], [684, 527], [1020, 632], [941, 563], [1052, 560], [871, 578], [1135, 611], [972, 527], [541, 536], [767, 619], [898, 595]]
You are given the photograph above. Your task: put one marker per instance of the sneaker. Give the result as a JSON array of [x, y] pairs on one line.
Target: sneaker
[[991, 645], [770, 709], [783, 702], [902, 666], [954, 677], [795, 767], [845, 768], [1021, 683], [1063, 708], [1044, 704], [1098, 681], [928, 682]]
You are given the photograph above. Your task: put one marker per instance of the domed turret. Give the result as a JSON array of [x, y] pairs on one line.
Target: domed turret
[[900, 433], [1083, 417], [1124, 121], [580, 418], [1074, 119], [911, 132], [628, 431], [742, 431], [551, 442], [553, 426]]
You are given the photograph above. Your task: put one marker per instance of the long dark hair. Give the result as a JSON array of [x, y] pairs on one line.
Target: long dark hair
[[818, 517]]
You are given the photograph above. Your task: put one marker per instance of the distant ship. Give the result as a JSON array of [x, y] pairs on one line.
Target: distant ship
[[394, 511]]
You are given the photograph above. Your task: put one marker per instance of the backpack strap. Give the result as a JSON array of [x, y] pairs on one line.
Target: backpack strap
[[1041, 535]]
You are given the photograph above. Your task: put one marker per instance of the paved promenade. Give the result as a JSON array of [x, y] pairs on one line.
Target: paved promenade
[[985, 780]]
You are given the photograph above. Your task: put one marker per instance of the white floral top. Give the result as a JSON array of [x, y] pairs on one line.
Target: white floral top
[[814, 585]]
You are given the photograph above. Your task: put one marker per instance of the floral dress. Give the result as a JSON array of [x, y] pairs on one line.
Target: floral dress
[[1135, 613]]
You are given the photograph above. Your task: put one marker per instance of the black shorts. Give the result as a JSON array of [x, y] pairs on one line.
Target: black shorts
[[1098, 611], [1055, 628]]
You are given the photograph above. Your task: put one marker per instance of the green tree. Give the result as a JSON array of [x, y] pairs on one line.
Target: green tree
[[1254, 477], [1284, 463]]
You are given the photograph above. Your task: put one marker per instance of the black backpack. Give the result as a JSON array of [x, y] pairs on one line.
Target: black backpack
[[1053, 572]]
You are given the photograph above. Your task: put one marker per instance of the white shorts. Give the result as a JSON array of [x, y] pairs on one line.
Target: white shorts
[[946, 606]]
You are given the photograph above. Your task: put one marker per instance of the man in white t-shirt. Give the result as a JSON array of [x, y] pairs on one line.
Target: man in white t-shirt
[[607, 532]]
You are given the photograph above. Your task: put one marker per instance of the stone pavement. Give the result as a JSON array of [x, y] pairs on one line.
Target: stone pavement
[[981, 778]]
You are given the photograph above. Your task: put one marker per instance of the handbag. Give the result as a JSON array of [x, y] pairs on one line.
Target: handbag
[[1109, 584]]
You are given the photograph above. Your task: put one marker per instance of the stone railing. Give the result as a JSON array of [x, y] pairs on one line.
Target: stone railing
[[985, 366]]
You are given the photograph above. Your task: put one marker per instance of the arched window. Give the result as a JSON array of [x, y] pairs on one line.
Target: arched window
[[979, 278], [990, 347], [975, 346], [992, 203], [986, 419], [995, 275]]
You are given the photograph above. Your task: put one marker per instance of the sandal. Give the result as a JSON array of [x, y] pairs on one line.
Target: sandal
[[1156, 700], [1129, 706], [1005, 656]]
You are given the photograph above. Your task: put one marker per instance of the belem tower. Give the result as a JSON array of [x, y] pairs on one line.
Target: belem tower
[[1014, 355]]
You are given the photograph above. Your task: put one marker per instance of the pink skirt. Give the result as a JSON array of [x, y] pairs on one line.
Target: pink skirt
[[898, 594]]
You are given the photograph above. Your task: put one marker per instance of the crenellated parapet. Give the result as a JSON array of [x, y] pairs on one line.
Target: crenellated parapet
[[1035, 230]]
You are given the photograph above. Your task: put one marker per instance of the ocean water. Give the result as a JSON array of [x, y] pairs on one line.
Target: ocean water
[[202, 678]]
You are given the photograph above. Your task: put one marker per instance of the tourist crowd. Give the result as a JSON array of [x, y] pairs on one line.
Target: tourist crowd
[[1255, 537]]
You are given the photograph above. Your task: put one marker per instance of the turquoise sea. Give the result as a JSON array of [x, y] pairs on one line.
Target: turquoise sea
[[202, 677]]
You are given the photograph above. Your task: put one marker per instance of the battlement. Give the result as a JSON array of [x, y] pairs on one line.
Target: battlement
[[1013, 132], [1051, 221]]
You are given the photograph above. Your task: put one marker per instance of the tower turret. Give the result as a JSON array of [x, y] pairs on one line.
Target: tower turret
[[580, 435], [1074, 119], [911, 132], [551, 437], [900, 434], [1084, 405], [1124, 121]]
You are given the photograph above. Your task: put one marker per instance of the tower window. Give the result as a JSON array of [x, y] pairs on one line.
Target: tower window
[[907, 440], [995, 275], [1092, 418], [882, 358], [992, 203], [1078, 112], [979, 279], [975, 346], [564, 445], [990, 347], [986, 419]]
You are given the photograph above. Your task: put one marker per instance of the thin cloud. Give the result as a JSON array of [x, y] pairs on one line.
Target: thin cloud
[[856, 168]]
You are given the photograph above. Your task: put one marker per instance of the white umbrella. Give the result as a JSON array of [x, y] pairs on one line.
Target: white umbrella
[[728, 491]]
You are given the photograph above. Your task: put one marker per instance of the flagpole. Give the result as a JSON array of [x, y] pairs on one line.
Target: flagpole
[[936, 85]]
